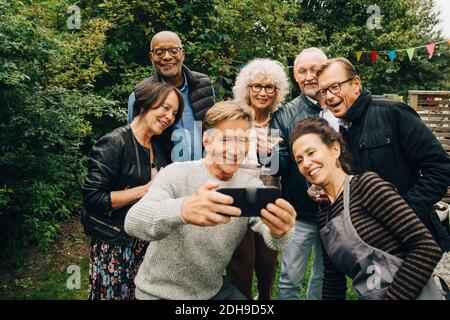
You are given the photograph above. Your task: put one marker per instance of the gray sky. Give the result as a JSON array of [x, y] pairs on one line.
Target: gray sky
[[443, 7]]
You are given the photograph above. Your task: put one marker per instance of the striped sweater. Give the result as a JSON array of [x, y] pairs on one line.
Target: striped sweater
[[384, 220]]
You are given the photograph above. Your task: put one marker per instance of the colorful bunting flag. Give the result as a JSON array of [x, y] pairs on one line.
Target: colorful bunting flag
[[430, 49], [358, 55], [392, 55], [373, 55], [410, 53]]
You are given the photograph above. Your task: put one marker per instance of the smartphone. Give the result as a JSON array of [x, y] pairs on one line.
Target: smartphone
[[252, 200]]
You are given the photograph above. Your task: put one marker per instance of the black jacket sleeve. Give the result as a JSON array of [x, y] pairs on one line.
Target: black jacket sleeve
[[281, 150], [103, 163], [426, 154]]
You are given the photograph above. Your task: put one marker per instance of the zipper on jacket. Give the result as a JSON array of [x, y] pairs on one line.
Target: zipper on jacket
[[105, 224]]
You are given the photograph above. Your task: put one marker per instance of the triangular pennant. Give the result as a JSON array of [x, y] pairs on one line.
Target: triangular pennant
[[410, 53], [430, 49], [358, 55], [392, 55], [373, 55]]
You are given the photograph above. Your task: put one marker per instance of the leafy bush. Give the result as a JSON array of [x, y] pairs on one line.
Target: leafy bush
[[46, 128], [60, 90]]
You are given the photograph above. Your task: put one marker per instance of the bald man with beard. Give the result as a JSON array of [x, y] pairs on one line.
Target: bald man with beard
[[183, 142]]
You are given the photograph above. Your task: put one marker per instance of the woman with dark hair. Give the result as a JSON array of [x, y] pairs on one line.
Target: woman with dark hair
[[369, 233], [121, 167]]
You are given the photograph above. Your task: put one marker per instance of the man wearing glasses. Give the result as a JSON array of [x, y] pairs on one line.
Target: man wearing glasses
[[294, 185], [167, 56], [389, 138]]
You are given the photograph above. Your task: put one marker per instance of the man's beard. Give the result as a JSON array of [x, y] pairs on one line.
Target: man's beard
[[310, 90]]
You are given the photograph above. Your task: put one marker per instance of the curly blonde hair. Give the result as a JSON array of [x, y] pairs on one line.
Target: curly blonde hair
[[268, 69]]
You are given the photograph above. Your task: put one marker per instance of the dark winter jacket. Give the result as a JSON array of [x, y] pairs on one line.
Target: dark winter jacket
[[389, 138], [201, 92], [201, 98], [293, 184]]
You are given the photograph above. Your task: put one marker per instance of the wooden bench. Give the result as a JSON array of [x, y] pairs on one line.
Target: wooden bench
[[434, 109]]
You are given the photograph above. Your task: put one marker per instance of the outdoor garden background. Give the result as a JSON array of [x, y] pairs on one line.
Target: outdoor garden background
[[67, 68]]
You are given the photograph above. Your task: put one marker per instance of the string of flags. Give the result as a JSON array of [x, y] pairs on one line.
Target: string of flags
[[392, 53]]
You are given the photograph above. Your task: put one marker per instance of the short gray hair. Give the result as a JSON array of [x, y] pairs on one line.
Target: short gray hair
[[307, 50]]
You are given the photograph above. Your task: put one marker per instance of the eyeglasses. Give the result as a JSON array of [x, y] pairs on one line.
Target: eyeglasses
[[258, 87], [160, 52], [334, 88]]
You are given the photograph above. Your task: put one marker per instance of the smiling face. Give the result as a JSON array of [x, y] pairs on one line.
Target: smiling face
[[168, 66], [261, 100], [227, 146], [339, 103], [315, 160], [305, 72], [162, 116]]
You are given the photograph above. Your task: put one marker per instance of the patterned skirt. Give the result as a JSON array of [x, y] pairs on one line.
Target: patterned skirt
[[112, 269]]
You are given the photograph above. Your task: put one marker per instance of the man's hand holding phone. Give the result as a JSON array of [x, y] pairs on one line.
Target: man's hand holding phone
[[207, 207], [279, 217], [265, 202]]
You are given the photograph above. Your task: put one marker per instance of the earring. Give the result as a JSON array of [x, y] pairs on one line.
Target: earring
[[338, 163]]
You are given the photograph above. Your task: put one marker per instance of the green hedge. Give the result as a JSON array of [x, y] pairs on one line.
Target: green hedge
[[61, 89], [45, 131]]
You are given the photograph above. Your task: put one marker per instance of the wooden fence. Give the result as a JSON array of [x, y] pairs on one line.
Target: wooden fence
[[434, 109]]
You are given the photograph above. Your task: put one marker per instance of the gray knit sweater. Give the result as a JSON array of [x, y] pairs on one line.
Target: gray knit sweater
[[184, 261]]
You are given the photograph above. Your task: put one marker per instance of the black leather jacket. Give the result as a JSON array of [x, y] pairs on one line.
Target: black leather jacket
[[389, 138], [116, 162], [293, 184]]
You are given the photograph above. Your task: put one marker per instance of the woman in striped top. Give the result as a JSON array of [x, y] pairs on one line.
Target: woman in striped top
[[369, 232]]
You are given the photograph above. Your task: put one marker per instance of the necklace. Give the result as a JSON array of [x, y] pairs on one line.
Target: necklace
[[337, 195], [339, 191]]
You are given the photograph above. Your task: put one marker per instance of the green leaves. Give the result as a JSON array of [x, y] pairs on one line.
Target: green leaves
[[60, 89], [404, 24], [47, 109]]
